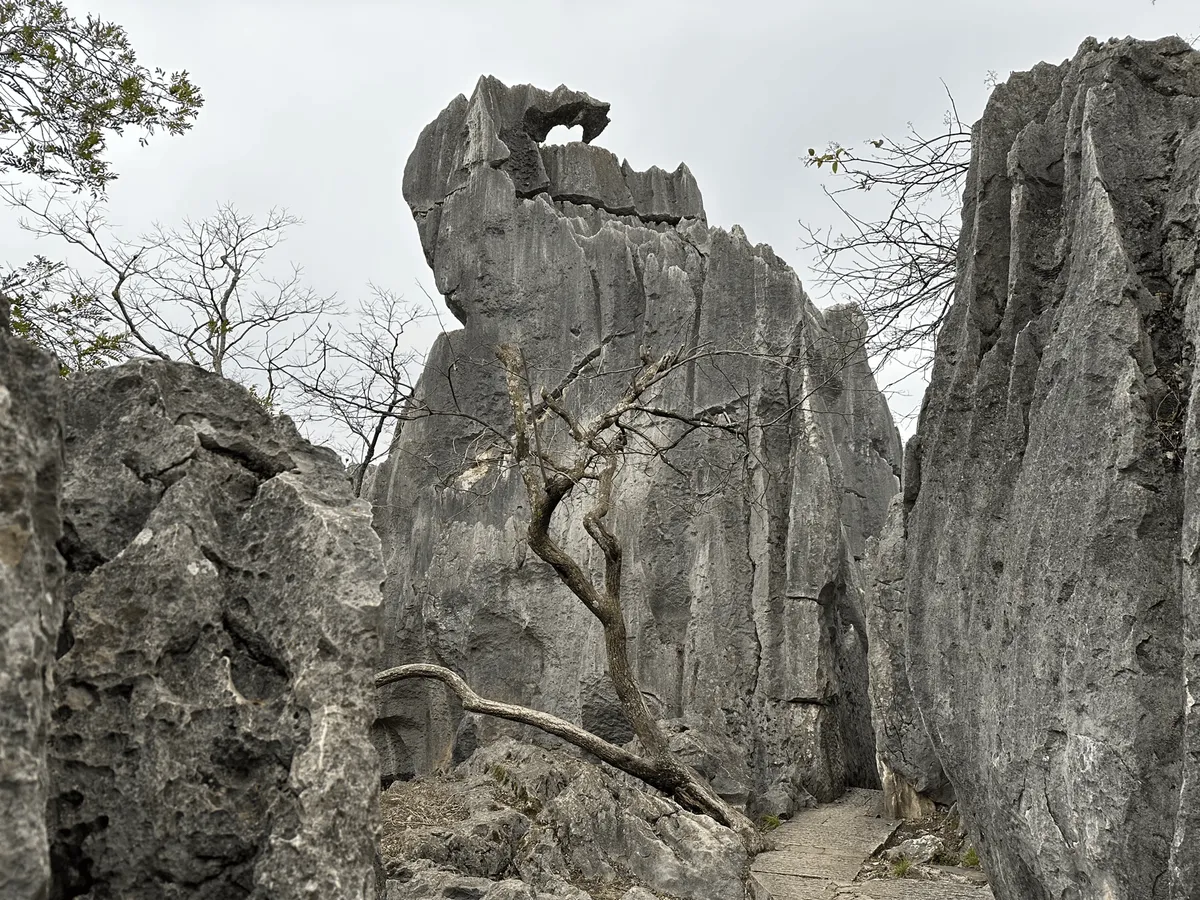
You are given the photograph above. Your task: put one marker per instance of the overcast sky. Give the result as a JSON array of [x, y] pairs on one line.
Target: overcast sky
[[316, 105]]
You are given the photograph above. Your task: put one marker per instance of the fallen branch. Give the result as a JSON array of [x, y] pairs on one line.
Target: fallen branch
[[472, 702], [680, 782]]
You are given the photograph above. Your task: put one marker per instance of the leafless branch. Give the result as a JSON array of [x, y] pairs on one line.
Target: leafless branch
[[898, 266]]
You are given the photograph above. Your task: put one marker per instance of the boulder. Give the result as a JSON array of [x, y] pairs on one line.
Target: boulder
[[423, 881], [1052, 498], [741, 584], [30, 604], [214, 693], [917, 850]]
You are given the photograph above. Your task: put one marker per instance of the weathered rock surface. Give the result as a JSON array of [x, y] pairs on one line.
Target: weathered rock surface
[[213, 700], [517, 821], [1053, 520], [30, 604], [910, 772], [741, 589]]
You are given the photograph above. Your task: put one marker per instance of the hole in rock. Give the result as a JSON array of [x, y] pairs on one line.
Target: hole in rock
[[561, 134]]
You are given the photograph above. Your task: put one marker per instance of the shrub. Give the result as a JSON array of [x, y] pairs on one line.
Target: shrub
[[769, 823]]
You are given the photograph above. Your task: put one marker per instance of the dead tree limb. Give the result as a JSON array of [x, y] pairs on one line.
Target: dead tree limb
[[564, 455], [593, 453], [898, 262]]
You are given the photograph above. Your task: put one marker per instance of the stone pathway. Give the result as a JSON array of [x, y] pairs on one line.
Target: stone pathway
[[821, 851]]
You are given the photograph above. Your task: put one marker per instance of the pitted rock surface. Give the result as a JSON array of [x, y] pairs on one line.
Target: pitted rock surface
[[30, 604], [742, 592], [1052, 524], [532, 823], [214, 695]]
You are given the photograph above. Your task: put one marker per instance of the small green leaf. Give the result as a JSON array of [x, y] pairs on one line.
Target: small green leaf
[[834, 167]]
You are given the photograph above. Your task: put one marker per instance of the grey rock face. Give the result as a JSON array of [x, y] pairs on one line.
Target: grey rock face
[[741, 583], [542, 824], [30, 604], [1053, 616], [214, 698], [910, 772]]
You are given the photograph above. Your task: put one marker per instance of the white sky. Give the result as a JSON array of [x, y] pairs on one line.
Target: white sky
[[315, 105]]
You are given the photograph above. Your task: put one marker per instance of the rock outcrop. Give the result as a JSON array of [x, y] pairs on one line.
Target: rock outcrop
[[214, 691], [542, 825], [741, 581], [1052, 495], [30, 604]]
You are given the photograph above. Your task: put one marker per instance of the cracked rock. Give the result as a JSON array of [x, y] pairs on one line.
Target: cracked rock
[[213, 700], [30, 604], [1051, 527], [550, 824]]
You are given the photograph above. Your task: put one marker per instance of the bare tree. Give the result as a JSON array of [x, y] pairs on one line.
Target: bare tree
[[898, 266], [357, 382], [203, 293], [560, 454], [198, 293]]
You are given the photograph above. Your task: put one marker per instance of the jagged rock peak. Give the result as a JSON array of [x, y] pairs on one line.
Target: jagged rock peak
[[503, 127], [741, 592]]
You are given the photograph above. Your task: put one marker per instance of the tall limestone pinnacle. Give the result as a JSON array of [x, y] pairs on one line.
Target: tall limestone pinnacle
[[741, 585], [1038, 582]]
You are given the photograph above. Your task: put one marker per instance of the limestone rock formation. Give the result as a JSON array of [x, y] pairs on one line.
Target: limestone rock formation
[[910, 772], [1053, 522], [30, 604], [544, 824], [741, 581], [214, 691]]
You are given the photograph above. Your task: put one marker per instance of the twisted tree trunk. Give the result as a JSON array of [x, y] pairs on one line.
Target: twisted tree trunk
[[592, 454]]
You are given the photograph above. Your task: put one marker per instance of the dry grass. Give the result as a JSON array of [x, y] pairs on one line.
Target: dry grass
[[422, 803], [439, 801]]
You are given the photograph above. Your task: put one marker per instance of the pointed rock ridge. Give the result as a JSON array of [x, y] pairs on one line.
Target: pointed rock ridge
[[742, 592], [1051, 516], [30, 604], [501, 128], [660, 196]]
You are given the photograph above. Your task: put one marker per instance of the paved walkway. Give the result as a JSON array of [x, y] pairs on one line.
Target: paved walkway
[[821, 851]]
